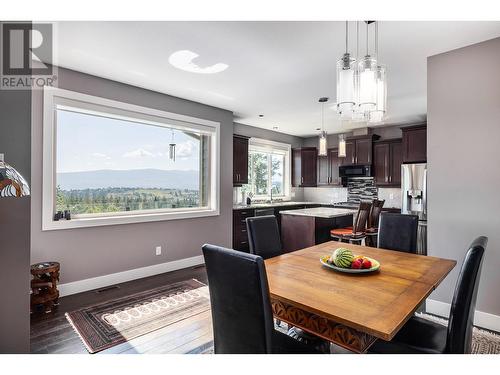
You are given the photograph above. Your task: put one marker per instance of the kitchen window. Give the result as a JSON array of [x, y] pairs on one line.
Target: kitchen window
[[268, 169], [107, 162]]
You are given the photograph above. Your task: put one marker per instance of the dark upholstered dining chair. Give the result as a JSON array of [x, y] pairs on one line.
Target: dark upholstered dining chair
[[419, 335], [264, 236], [398, 232], [241, 308]]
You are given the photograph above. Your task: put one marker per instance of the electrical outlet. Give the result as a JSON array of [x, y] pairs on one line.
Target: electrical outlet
[[158, 250]]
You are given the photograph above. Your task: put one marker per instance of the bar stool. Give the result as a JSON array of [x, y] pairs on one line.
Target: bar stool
[[356, 233], [373, 219]]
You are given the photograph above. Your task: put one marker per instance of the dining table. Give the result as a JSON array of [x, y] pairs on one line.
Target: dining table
[[351, 310]]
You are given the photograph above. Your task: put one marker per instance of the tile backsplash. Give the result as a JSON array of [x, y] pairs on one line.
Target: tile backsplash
[[361, 189]]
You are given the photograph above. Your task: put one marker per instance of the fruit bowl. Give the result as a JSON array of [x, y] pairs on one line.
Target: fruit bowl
[[375, 266]]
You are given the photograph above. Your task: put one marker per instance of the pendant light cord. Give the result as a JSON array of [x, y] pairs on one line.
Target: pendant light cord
[[346, 36], [322, 117], [357, 40], [376, 39], [367, 39]]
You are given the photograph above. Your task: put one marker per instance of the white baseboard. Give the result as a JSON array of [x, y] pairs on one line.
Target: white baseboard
[[481, 319], [121, 277]]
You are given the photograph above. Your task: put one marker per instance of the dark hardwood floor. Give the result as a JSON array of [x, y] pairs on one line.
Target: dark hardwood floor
[[52, 333]]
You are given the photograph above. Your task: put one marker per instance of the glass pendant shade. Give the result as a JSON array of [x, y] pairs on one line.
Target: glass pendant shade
[[346, 86], [367, 84], [323, 144], [342, 150], [171, 151], [377, 115], [12, 184]]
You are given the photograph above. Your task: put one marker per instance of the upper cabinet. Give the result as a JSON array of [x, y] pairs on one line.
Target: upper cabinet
[[328, 168], [387, 160], [240, 160], [415, 144], [304, 164], [359, 150]]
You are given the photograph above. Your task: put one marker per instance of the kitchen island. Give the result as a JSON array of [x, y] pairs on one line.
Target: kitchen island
[[311, 226]]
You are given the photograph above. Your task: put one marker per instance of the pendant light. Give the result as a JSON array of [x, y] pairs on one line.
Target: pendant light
[[171, 148], [342, 148], [323, 142], [367, 81], [346, 81], [377, 115]]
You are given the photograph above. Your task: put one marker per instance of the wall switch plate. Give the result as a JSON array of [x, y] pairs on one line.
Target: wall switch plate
[[158, 250]]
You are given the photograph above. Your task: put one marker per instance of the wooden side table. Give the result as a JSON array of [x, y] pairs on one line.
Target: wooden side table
[[44, 291]]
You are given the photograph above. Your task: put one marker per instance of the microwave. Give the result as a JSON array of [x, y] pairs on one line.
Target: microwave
[[348, 171]]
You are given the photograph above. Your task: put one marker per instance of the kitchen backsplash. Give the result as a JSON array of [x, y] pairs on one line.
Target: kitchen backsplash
[[361, 189]]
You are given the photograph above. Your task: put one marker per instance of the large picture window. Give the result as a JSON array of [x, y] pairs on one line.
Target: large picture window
[[268, 169], [114, 163]]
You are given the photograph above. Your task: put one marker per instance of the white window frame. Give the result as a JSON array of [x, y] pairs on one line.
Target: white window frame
[[54, 98], [259, 144]]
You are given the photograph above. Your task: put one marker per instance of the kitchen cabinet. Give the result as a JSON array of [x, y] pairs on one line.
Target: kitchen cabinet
[[415, 144], [304, 165], [387, 160], [240, 160], [328, 168], [240, 235], [359, 150]]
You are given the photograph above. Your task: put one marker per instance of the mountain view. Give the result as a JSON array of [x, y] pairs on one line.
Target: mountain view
[[108, 191]]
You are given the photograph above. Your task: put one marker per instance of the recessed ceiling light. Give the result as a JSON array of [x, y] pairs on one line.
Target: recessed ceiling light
[[183, 60], [261, 115]]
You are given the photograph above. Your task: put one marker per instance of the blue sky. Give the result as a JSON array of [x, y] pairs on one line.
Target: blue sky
[[86, 143]]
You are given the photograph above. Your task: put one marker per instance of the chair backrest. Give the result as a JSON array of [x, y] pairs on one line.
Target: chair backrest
[[361, 217], [463, 306], [375, 213], [398, 232], [239, 294], [264, 236]]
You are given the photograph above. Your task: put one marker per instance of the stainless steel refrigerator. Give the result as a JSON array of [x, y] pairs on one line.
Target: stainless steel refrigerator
[[414, 199]]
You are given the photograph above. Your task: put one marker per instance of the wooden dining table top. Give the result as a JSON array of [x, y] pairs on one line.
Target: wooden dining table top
[[376, 303]]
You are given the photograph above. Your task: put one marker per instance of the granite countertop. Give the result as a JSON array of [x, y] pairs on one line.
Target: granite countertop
[[265, 205], [323, 212]]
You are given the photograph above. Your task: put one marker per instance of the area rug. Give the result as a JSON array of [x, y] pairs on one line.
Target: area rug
[[483, 341], [113, 322]]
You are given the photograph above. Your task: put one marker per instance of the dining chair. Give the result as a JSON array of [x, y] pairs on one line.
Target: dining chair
[[264, 236], [356, 233], [398, 232], [373, 220], [242, 317], [420, 335]]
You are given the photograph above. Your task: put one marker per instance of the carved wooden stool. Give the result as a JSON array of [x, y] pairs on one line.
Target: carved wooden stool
[[44, 291]]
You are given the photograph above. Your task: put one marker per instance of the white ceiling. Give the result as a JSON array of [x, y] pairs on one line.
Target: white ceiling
[[278, 69]]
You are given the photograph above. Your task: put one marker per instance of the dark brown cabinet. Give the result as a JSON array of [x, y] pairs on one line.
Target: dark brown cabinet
[[240, 160], [304, 165], [387, 160], [359, 150], [240, 235], [415, 144], [328, 168]]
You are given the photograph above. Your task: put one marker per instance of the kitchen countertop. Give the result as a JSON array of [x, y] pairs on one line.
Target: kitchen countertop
[[265, 205], [289, 203], [323, 212]]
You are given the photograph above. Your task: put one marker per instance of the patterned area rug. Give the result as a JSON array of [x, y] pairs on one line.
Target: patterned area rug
[[116, 321], [483, 342]]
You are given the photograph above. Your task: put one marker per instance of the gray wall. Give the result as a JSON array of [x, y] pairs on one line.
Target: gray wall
[[251, 131], [463, 120], [15, 141], [91, 252]]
